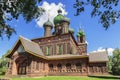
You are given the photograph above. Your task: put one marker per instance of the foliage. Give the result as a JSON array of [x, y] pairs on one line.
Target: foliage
[[109, 64], [116, 62], [106, 10], [12, 9], [4, 63]]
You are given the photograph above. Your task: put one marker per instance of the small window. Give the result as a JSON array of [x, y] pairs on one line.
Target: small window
[[81, 39], [20, 49], [68, 66], [59, 66], [78, 66], [33, 64], [37, 65], [47, 51], [99, 69], [91, 68], [50, 66], [60, 48]]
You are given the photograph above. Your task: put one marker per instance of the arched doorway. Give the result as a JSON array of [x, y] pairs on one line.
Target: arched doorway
[[21, 63], [22, 68]]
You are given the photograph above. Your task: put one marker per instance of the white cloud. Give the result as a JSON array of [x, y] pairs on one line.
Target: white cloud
[[51, 9], [110, 50], [86, 42], [100, 49]]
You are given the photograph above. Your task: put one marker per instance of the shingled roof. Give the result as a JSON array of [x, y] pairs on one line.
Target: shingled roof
[[31, 46], [98, 57]]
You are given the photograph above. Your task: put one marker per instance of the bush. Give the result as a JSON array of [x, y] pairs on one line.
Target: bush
[[3, 70]]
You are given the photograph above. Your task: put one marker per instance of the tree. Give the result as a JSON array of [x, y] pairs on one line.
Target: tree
[[109, 64], [12, 9], [106, 10], [116, 62], [4, 63]]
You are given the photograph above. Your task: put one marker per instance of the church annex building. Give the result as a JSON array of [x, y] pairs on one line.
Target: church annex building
[[55, 54]]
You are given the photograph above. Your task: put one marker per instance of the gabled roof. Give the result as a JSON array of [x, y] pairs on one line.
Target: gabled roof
[[29, 46], [98, 57]]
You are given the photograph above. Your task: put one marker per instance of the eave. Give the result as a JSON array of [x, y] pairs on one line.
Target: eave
[[68, 57]]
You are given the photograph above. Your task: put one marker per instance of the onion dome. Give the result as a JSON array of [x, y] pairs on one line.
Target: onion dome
[[71, 30], [58, 18], [48, 23], [80, 33]]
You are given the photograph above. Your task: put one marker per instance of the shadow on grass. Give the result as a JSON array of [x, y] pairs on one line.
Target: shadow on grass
[[105, 77]]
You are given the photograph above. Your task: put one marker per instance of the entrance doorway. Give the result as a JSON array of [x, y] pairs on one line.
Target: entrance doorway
[[21, 63], [22, 68]]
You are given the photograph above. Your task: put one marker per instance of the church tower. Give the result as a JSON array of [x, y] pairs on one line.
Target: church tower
[[65, 25], [47, 28], [61, 24], [81, 42], [81, 36]]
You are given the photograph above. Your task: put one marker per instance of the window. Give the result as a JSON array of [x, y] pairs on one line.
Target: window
[[50, 66], [81, 39], [60, 48], [47, 50], [37, 65], [59, 66], [68, 66], [33, 64], [91, 68], [20, 49], [95, 68], [99, 69], [78, 66]]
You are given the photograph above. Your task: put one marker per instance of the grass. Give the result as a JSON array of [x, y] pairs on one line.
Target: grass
[[65, 78]]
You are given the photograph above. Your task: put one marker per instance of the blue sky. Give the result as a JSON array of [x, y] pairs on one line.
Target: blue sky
[[97, 37]]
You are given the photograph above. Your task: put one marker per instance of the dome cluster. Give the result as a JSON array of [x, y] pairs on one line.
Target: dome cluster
[[61, 26]]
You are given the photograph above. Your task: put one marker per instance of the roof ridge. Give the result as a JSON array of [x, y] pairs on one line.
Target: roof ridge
[[21, 37], [25, 38]]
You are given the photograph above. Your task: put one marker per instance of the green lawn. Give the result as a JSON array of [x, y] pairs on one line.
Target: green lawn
[[66, 78]]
